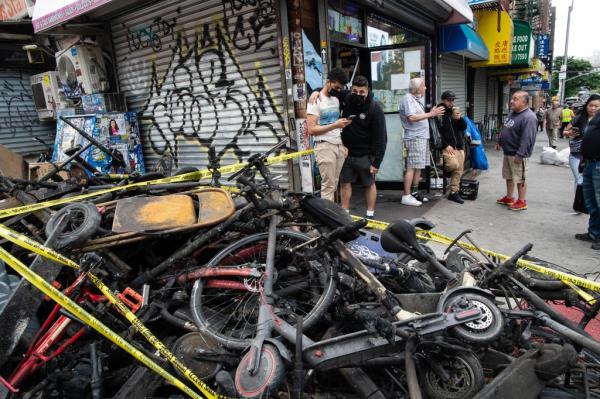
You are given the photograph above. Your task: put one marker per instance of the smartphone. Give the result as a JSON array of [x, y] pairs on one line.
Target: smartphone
[[351, 117]]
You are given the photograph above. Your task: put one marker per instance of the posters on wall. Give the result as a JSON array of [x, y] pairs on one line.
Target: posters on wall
[[391, 71], [116, 131], [313, 64]]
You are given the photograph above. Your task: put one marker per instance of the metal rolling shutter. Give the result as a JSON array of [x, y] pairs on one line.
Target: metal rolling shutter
[[19, 121], [452, 77], [480, 95], [203, 75], [492, 98]]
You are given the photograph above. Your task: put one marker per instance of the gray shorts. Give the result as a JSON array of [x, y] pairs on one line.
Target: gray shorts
[[417, 153], [358, 168]]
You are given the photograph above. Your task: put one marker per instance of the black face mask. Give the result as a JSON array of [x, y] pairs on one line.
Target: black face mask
[[334, 92], [357, 99]]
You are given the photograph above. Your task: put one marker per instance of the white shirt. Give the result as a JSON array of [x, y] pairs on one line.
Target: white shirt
[[328, 111], [410, 105]]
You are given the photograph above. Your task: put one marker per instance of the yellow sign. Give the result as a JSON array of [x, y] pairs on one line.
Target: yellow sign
[[498, 41]]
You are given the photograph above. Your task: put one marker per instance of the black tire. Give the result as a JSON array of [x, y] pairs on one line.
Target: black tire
[[466, 377], [419, 283], [479, 332], [83, 221], [292, 272], [457, 261]]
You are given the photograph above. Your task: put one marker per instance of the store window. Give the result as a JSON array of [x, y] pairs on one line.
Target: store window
[[392, 70], [345, 22], [381, 32]]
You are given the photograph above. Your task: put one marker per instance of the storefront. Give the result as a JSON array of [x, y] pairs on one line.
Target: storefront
[[495, 27], [459, 44], [205, 78], [389, 45], [223, 79]]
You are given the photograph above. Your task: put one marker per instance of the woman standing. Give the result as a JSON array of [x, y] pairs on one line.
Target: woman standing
[[590, 150], [575, 132]]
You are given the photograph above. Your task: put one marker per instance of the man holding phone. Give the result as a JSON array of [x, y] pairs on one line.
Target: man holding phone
[[366, 140], [325, 125]]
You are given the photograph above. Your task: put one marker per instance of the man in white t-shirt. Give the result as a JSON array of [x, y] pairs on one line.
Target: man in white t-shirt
[[325, 125]]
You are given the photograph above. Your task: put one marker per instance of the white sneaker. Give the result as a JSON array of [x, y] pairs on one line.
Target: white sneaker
[[410, 200]]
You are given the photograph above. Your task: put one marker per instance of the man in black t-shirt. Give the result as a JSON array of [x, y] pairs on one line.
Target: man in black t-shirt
[[366, 140]]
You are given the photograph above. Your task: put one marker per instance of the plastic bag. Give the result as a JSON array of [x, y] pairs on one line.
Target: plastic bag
[[549, 156], [563, 155], [478, 159]]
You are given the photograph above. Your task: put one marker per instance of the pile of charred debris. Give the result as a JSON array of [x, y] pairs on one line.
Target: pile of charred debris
[[169, 286]]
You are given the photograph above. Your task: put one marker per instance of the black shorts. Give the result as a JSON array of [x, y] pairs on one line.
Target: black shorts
[[358, 168]]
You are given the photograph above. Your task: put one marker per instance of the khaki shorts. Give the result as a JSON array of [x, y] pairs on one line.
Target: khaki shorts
[[512, 171]]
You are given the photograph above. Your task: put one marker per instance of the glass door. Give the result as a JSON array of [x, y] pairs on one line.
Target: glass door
[[391, 71]]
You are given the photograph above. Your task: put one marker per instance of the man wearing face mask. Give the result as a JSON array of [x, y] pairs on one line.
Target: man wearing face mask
[[325, 125], [366, 140]]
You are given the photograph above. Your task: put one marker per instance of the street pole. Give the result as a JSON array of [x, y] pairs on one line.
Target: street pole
[[563, 68]]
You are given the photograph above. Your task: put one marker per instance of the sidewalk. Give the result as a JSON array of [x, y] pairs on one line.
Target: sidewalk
[[549, 223]]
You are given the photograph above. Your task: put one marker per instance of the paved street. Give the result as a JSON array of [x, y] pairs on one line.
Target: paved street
[[549, 223]]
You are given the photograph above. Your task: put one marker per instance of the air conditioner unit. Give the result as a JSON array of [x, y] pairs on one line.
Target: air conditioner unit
[[47, 95], [81, 70]]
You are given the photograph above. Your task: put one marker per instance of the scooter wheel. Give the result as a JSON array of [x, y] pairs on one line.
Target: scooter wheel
[[465, 377], [482, 331], [266, 380], [83, 221]]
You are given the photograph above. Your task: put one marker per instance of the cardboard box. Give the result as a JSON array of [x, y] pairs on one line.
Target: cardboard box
[[39, 170], [12, 164]]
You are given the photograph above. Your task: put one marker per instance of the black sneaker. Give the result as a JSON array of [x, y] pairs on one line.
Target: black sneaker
[[418, 197], [455, 197], [585, 237], [596, 246]]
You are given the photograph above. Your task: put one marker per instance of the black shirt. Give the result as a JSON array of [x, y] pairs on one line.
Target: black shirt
[[367, 134], [452, 130], [590, 147]]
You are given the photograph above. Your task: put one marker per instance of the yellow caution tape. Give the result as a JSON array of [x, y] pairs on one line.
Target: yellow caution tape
[[37, 281], [442, 239], [196, 175], [27, 243]]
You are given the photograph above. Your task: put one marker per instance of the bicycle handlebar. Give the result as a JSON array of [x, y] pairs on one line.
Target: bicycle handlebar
[[257, 159], [513, 260]]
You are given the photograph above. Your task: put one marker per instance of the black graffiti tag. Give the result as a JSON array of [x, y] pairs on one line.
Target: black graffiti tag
[[151, 36], [205, 97], [249, 26], [20, 114]]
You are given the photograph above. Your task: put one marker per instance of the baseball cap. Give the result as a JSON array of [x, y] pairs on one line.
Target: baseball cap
[[448, 95]]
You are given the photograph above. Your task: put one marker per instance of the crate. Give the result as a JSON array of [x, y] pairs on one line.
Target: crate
[[468, 189]]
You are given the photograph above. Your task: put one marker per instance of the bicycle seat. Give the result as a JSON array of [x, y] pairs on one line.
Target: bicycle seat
[[401, 237]]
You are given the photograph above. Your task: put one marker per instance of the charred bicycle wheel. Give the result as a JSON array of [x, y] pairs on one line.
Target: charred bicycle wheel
[[226, 304]]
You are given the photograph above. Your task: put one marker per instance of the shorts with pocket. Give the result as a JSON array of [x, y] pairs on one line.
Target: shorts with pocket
[[358, 168], [517, 172]]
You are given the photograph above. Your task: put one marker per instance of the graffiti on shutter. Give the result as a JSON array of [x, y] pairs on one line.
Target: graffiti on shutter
[[205, 96]]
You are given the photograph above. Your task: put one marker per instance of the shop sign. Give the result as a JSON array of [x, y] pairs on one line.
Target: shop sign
[[542, 46], [535, 86], [499, 42], [12, 10], [47, 14], [521, 43]]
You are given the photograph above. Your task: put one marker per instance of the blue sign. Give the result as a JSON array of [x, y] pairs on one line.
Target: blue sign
[[542, 46]]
